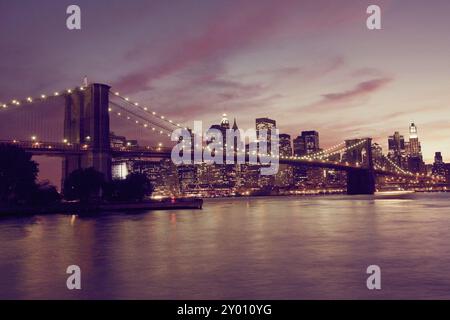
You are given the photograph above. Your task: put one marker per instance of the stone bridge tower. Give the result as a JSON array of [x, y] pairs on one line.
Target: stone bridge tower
[[86, 122], [361, 180]]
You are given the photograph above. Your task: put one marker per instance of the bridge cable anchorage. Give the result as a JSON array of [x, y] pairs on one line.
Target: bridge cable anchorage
[[146, 109], [40, 98], [139, 120]]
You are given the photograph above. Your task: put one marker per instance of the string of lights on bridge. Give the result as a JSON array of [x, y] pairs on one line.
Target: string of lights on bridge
[[141, 123], [323, 152], [320, 156], [397, 167], [29, 100], [144, 123], [42, 97], [309, 157], [415, 176], [317, 156], [326, 153], [147, 110]]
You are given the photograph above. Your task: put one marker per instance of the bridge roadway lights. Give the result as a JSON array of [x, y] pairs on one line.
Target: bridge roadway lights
[[360, 182]]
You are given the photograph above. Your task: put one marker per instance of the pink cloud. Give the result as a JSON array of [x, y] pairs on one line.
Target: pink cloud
[[362, 89], [311, 70], [236, 27]]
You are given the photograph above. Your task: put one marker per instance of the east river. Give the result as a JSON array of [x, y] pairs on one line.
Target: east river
[[244, 248]]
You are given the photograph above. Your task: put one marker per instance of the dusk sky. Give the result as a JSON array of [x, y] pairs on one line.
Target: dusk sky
[[310, 65]]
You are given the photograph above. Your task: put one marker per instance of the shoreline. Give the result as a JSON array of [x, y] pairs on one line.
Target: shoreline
[[305, 194], [195, 203], [70, 208]]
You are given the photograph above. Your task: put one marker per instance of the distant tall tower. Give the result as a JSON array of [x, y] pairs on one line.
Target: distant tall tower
[[235, 126], [415, 149], [225, 123]]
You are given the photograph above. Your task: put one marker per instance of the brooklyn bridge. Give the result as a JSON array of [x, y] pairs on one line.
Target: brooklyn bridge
[[85, 141]]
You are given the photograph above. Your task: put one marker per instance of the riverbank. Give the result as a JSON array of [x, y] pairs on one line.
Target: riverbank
[[305, 194], [78, 208]]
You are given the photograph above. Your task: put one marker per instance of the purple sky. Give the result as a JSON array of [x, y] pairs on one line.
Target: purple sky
[[307, 64]]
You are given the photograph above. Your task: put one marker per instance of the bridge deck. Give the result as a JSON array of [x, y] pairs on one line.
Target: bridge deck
[[63, 149]]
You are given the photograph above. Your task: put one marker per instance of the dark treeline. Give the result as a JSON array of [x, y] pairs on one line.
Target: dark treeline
[[88, 185], [18, 180], [19, 185]]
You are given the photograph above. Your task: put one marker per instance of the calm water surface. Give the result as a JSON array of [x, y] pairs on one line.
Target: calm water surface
[[259, 248]]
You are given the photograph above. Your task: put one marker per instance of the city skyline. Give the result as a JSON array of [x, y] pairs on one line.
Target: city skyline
[[272, 60], [235, 153]]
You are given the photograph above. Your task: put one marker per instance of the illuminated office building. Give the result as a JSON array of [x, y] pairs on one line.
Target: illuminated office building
[[285, 146], [414, 151]]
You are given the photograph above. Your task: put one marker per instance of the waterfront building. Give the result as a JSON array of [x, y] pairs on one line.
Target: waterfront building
[[119, 170], [162, 174], [285, 176], [187, 175]]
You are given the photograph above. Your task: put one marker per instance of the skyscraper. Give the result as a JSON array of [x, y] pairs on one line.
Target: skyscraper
[[438, 158], [225, 124], [221, 178], [285, 145], [414, 151], [222, 127], [439, 165], [397, 150], [306, 143], [265, 123], [269, 125], [285, 175]]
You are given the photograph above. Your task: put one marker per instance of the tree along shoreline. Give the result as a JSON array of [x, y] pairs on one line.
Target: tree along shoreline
[[85, 190]]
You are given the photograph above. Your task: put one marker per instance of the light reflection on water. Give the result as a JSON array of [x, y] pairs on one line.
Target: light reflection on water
[[259, 248]]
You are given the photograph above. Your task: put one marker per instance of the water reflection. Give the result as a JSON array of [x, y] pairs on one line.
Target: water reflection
[[262, 248]]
